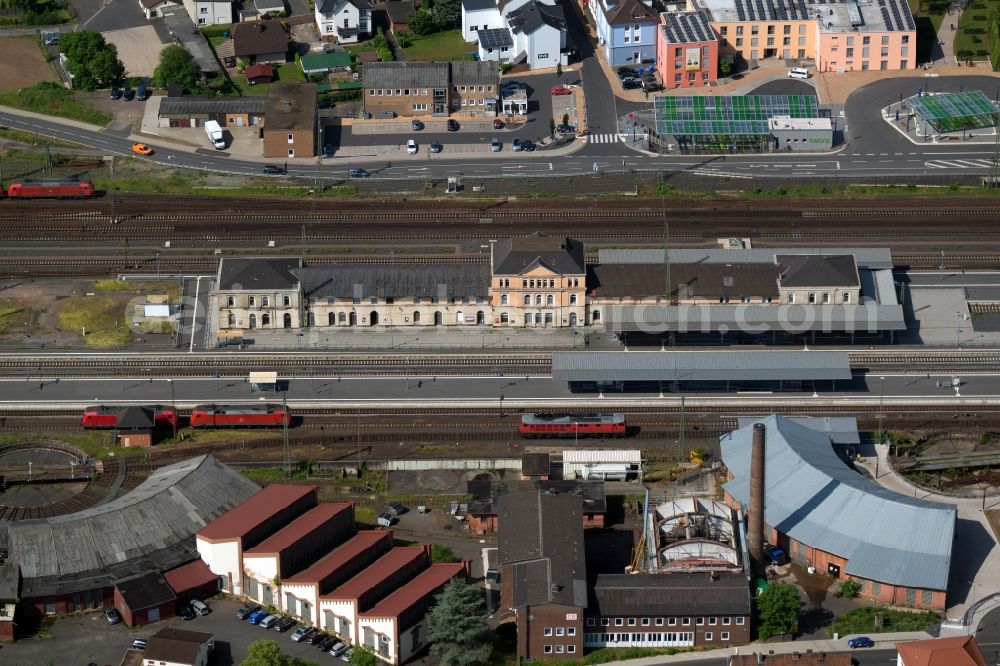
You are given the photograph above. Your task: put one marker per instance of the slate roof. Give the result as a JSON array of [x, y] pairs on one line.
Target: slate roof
[[259, 38], [193, 105], [474, 71], [688, 27], [405, 74], [625, 595], [255, 273], [816, 499], [135, 418], [327, 6], [818, 271], [541, 538], [515, 256], [399, 11], [712, 282], [97, 546], [291, 106], [530, 17], [478, 5], [629, 11], [955, 651], [177, 646], [396, 281], [535, 464], [146, 591], [486, 494]]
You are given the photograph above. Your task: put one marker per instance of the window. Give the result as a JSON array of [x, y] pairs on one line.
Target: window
[[572, 299], [547, 649], [726, 621], [201, 21], [866, 40], [847, 297], [724, 636], [347, 22], [700, 621], [724, 30], [678, 52], [538, 299], [885, 51], [527, 299], [802, 29], [708, 635], [802, 41], [560, 649], [740, 621], [659, 621], [786, 41], [605, 622], [885, 40], [739, 31], [560, 631], [906, 39], [739, 41], [904, 51], [712, 621], [503, 299], [645, 621], [619, 622], [865, 51], [812, 298], [204, 10], [754, 41], [571, 631], [253, 301], [571, 649], [850, 53], [786, 29], [287, 301], [231, 301], [884, 65], [686, 621], [265, 301], [291, 138], [550, 299], [547, 631], [631, 622], [591, 622], [754, 29], [770, 41], [850, 41]]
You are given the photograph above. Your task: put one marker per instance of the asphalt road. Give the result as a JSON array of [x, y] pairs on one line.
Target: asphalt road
[[874, 148]]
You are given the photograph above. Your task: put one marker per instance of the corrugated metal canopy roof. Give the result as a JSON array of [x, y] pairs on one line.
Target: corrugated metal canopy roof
[[754, 318], [699, 366], [866, 257], [813, 497]]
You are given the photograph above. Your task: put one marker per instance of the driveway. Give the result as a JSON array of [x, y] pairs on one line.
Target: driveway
[[104, 15]]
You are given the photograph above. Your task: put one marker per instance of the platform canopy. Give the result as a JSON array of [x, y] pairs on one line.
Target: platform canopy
[[954, 112], [738, 115]]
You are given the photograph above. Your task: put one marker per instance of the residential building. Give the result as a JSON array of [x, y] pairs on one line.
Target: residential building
[[687, 50], [626, 30], [345, 21], [405, 88], [897, 548], [292, 549], [480, 15], [538, 30], [222, 542], [849, 36], [475, 87], [396, 628], [291, 120], [210, 12], [818, 279], [260, 41], [195, 111], [543, 572], [258, 293], [954, 651], [538, 281], [178, 647], [698, 610]]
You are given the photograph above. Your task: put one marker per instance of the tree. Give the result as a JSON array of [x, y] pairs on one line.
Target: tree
[[177, 65], [422, 22], [849, 588], [263, 652], [778, 610], [93, 62], [457, 625], [447, 13], [559, 72], [441, 553], [362, 656], [725, 67]]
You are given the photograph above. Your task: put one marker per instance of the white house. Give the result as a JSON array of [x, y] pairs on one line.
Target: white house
[[347, 21], [480, 15], [178, 647], [539, 32], [202, 12]]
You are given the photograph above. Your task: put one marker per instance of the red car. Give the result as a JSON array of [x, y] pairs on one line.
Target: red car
[[236, 416], [560, 90], [573, 425]]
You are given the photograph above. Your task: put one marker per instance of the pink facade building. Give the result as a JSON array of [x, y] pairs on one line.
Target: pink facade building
[[687, 50]]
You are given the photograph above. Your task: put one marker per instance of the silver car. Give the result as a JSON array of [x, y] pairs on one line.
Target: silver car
[[495, 145]]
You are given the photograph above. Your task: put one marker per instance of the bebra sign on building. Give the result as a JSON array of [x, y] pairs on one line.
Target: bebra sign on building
[[693, 58]]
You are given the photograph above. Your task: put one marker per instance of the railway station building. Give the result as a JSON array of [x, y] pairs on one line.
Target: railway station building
[[98, 557], [825, 515]]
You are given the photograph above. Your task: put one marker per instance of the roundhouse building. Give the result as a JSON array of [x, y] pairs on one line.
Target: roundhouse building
[[824, 514]]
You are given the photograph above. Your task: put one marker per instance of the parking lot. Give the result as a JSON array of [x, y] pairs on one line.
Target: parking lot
[[85, 638]]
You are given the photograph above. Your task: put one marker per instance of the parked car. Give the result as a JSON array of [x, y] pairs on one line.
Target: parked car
[[143, 93], [386, 519], [508, 87], [129, 94], [497, 123], [184, 610], [528, 146], [324, 103], [52, 40], [416, 125], [651, 86], [256, 616], [861, 642], [358, 172], [436, 146], [327, 150], [243, 612], [141, 149], [798, 73], [347, 655], [112, 616], [303, 632], [116, 93], [325, 643], [338, 649], [495, 145], [624, 72], [630, 83], [411, 147], [560, 90], [284, 624], [452, 125], [273, 169], [199, 607], [565, 129], [270, 621], [139, 644], [315, 637], [515, 145]]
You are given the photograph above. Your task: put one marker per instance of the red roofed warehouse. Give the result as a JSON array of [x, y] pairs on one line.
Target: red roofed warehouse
[[222, 542], [395, 628], [956, 651]]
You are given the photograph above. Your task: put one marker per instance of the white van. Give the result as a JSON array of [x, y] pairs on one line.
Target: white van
[[215, 135], [798, 73]]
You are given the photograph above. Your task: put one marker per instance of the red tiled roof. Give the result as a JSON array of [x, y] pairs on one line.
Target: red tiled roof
[[189, 576], [340, 556], [955, 651], [380, 569], [298, 529], [796, 659], [402, 599], [259, 70], [238, 522]]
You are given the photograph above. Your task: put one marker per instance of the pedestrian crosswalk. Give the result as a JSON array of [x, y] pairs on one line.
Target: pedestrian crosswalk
[[959, 164], [603, 138]]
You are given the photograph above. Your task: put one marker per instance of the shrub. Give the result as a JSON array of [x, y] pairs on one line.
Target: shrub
[[975, 30]]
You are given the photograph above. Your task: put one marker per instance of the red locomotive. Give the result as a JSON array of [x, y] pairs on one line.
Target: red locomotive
[[226, 416], [106, 416], [573, 425], [56, 189]]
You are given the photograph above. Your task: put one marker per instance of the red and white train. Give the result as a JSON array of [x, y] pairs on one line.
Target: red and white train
[[106, 416], [237, 416], [573, 425]]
